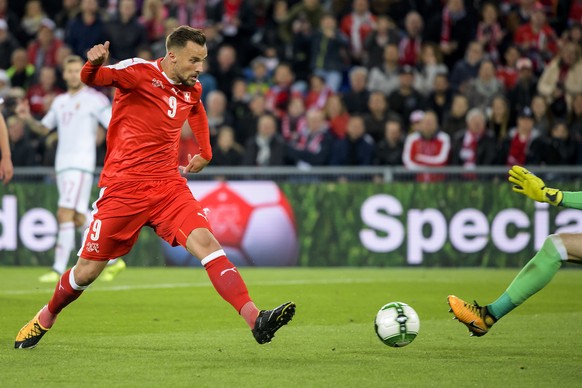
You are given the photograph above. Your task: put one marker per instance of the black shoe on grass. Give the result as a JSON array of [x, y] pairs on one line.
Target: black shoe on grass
[[269, 321]]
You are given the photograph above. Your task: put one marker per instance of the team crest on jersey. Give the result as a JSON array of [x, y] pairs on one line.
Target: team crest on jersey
[[157, 83], [187, 96], [92, 247]]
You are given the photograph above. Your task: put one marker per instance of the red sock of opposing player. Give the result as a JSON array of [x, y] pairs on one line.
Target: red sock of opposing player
[[230, 285], [66, 292]]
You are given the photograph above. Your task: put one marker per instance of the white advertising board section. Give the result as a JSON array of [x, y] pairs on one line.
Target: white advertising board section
[[388, 226]]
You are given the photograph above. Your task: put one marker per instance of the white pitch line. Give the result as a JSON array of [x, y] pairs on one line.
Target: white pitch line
[[194, 285]]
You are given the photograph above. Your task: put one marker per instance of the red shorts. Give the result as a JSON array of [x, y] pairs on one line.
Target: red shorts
[[122, 209]]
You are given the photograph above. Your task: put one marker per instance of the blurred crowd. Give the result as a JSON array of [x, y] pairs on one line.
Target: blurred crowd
[[347, 83]]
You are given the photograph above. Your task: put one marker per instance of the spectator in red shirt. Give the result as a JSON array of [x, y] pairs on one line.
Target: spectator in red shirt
[[357, 25], [337, 116], [43, 50], [516, 148], [410, 45], [508, 73], [536, 38], [318, 93], [575, 13], [41, 94], [277, 98], [428, 147], [154, 14]]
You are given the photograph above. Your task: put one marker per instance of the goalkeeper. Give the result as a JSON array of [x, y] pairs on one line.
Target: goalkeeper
[[538, 272]]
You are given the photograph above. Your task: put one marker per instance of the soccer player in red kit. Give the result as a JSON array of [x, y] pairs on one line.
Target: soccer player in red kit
[[141, 184]]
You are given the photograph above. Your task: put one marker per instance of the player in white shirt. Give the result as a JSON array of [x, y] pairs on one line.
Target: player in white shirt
[[76, 115]]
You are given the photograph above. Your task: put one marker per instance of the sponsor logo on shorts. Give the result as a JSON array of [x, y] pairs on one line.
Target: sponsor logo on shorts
[[92, 247]]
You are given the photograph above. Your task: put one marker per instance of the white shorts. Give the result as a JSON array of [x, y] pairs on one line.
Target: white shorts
[[75, 189]]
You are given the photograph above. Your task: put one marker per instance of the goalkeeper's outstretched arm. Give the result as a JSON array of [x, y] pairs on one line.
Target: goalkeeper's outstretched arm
[[572, 199], [530, 185]]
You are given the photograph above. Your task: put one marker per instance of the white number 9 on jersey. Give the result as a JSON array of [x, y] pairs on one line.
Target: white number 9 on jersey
[[173, 104]]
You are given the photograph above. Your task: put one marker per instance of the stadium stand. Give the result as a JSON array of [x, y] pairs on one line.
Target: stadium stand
[[516, 61]]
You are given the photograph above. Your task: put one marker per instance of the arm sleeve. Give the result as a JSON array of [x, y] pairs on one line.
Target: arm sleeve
[[199, 124], [408, 157], [121, 75], [572, 199], [102, 111], [50, 119]]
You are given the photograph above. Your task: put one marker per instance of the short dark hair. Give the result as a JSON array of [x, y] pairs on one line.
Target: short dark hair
[[184, 34], [73, 59]]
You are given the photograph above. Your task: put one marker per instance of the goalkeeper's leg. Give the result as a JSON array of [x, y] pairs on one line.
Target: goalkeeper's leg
[[534, 276]]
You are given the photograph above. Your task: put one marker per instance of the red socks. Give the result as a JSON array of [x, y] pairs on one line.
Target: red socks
[[65, 294], [222, 273], [230, 285]]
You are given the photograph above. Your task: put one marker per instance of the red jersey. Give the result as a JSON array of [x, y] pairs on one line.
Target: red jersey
[[149, 109], [420, 152], [575, 14], [508, 75], [543, 40]]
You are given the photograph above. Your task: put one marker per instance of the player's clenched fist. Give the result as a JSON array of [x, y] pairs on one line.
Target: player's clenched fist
[[98, 54], [527, 183]]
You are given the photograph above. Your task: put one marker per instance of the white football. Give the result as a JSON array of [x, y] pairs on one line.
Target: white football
[[397, 324]]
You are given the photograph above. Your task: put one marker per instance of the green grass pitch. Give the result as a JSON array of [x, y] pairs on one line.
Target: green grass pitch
[[167, 327]]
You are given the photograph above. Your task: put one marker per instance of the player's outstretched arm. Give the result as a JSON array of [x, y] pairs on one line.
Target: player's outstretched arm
[[23, 112], [528, 184]]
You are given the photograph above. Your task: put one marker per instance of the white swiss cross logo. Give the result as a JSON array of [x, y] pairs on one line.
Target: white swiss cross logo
[[187, 96], [157, 83]]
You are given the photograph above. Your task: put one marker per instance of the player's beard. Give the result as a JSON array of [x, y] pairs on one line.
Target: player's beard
[[188, 81]]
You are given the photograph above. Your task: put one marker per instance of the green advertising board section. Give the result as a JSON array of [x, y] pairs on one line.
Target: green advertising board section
[[28, 224], [343, 224], [436, 224]]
